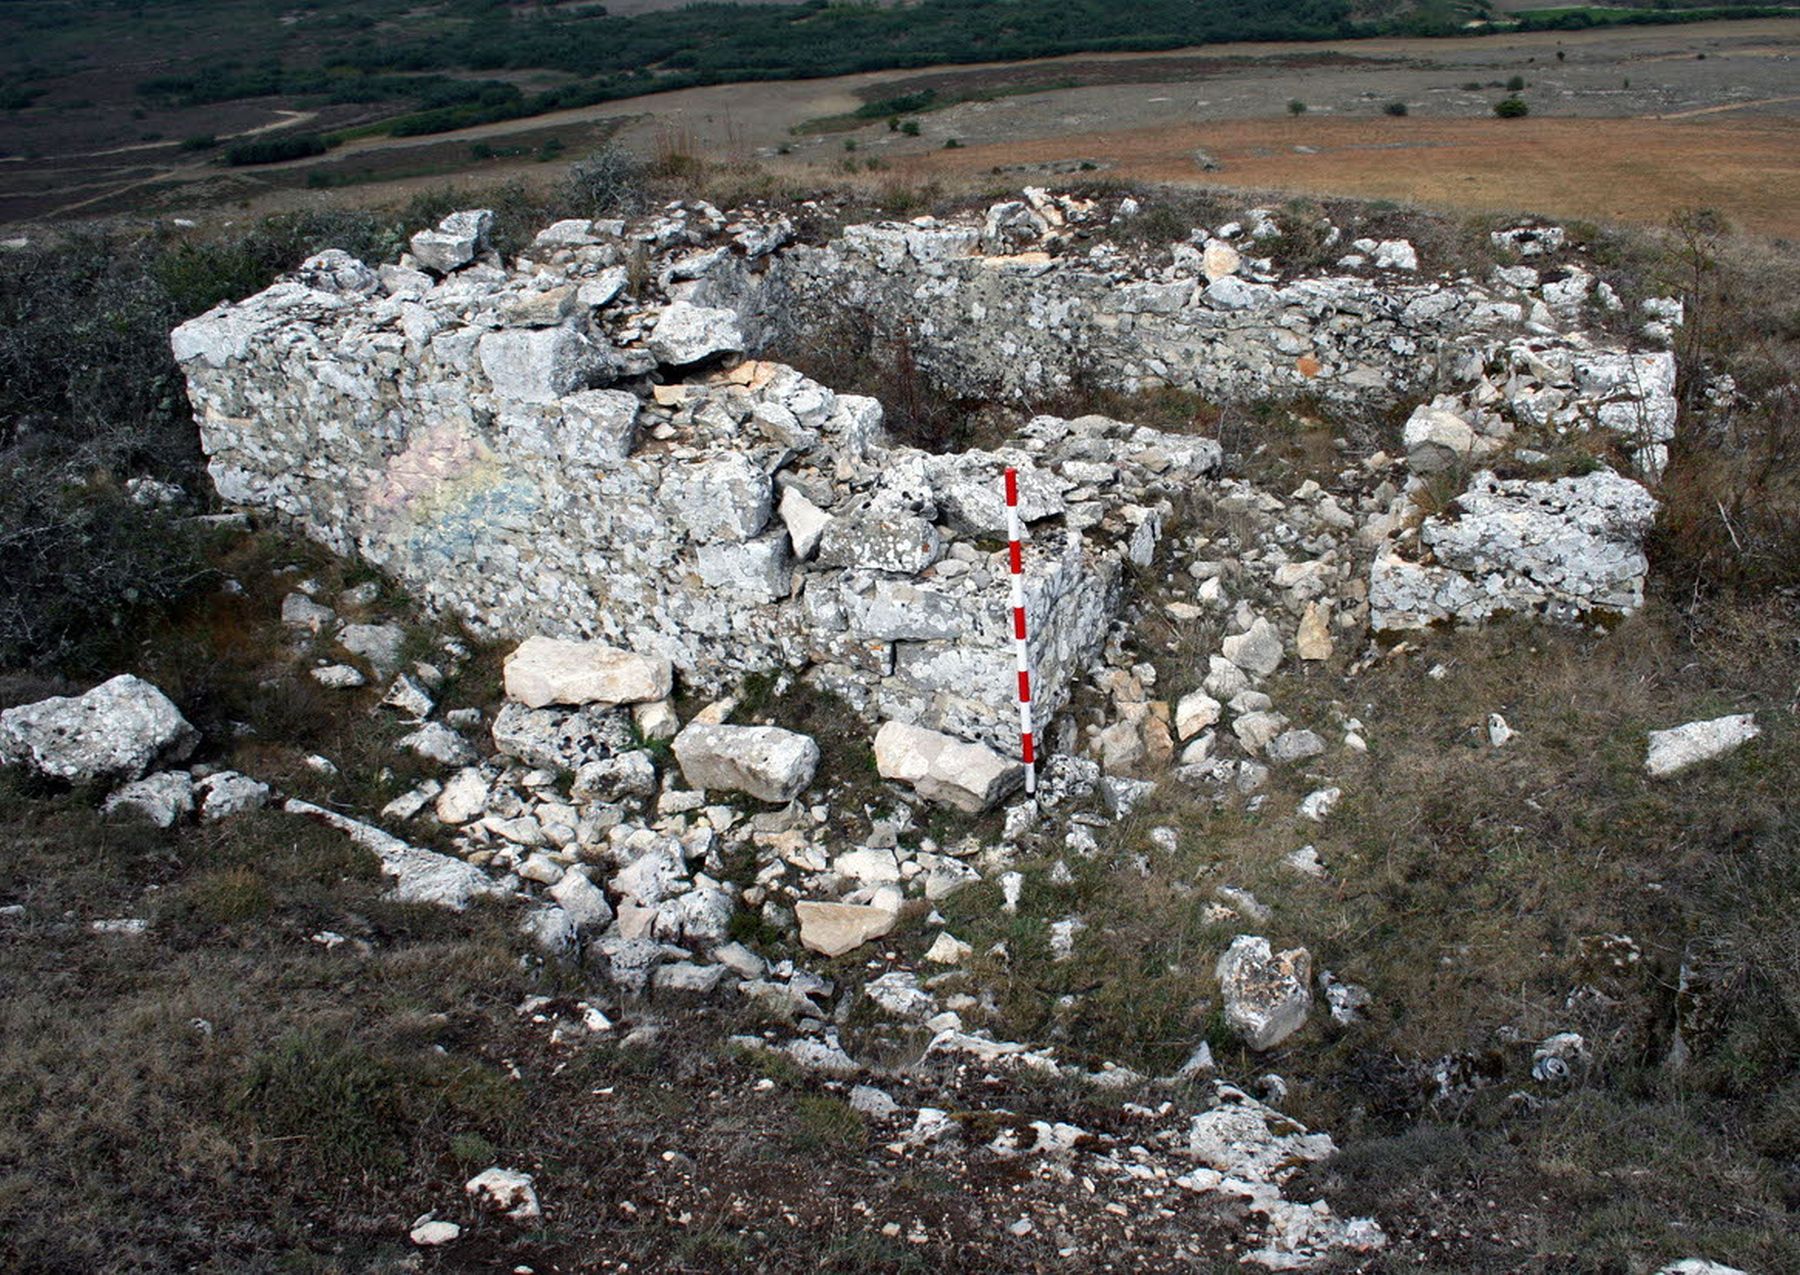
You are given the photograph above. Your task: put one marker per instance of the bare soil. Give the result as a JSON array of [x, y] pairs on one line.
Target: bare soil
[[1635, 170], [1732, 83]]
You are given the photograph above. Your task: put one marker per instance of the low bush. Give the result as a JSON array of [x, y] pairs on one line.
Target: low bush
[[275, 150], [607, 182], [1511, 108]]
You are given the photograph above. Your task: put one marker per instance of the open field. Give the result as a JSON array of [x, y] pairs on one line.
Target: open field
[[1626, 123], [1621, 170]]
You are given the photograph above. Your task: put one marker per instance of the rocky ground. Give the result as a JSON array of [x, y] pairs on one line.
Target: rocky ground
[[708, 924]]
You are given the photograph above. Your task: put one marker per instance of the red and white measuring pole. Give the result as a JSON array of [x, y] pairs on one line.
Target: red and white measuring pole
[[1016, 557]]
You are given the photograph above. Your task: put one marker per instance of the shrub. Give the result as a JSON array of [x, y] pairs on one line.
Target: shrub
[[1395, 108], [80, 565], [275, 150], [1516, 84], [951, 144], [1296, 107], [1511, 108], [910, 128], [609, 180]]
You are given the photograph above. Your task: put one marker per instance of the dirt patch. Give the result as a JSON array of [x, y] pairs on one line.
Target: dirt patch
[[1623, 170]]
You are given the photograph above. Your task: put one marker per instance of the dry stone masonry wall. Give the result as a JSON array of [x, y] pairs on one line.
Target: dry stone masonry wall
[[547, 447]]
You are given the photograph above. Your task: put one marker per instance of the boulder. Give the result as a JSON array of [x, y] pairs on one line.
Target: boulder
[[1437, 440], [1396, 254], [766, 762], [1267, 995], [455, 242], [164, 799], [118, 730], [561, 738], [537, 365], [1294, 745], [1672, 751], [725, 499], [831, 929], [382, 645], [939, 767], [805, 522], [689, 333], [1256, 651], [1312, 640], [553, 671], [598, 426], [229, 793], [903, 544], [1194, 713], [464, 798], [583, 901], [1219, 259]]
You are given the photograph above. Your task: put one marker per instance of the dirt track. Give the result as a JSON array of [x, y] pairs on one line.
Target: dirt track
[[1625, 124]]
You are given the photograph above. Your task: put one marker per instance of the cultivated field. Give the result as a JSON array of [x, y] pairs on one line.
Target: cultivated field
[[1624, 124]]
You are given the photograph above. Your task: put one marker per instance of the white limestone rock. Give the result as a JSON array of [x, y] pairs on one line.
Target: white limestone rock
[[1267, 995], [118, 730], [599, 427], [455, 242], [420, 876], [1564, 549], [767, 762], [1194, 713], [382, 645], [1257, 651], [689, 333], [436, 742], [971, 777], [226, 793], [505, 1191], [464, 798], [805, 522], [537, 365], [1396, 254], [165, 798], [831, 929], [1675, 750], [544, 671], [428, 1232], [1438, 440]]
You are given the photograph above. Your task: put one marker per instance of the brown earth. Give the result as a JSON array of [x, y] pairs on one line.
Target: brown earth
[[1638, 170], [1601, 141]]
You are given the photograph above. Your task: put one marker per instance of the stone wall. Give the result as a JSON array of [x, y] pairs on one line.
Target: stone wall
[[731, 518], [572, 443]]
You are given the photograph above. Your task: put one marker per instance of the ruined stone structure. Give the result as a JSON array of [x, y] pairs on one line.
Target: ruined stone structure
[[547, 448]]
